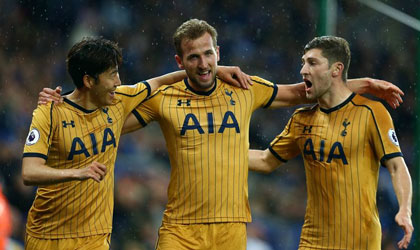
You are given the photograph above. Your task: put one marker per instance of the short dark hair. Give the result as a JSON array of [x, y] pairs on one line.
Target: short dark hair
[[92, 56], [335, 49], [191, 30]]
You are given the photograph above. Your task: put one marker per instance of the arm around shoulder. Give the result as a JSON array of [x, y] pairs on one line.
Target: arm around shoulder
[[379, 88], [290, 95], [166, 79]]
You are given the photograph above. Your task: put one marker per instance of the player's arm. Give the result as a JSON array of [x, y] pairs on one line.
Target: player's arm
[[294, 94], [234, 76], [262, 161], [35, 172], [131, 124], [230, 74], [401, 181], [379, 88], [166, 79]]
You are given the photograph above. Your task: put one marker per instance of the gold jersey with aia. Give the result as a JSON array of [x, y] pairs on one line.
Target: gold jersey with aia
[[207, 136], [68, 136], [342, 149]]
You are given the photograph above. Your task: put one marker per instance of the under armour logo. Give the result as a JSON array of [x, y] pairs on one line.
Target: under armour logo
[[71, 123], [232, 102], [307, 129], [109, 119], [181, 102], [345, 124]]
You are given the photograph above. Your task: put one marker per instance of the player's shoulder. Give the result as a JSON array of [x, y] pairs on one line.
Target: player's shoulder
[[134, 89], [168, 90], [372, 105], [174, 86], [48, 107], [261, 81], [180, 85], [49, 110], [305, 110]]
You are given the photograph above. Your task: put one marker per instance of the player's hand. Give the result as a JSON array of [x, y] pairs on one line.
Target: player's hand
[[95, 171], [386, 91], [50, 95], [403, 219], [234, 76]]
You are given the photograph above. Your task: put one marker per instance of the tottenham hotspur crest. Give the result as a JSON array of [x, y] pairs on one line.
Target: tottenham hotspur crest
[[33, 137]]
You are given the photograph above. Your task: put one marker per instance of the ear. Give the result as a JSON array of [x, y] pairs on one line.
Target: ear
[[218, 52], [88, 81], [178, 60], [338, 68]]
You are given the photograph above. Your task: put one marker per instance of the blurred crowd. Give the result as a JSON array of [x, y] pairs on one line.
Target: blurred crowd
[[263, 37]]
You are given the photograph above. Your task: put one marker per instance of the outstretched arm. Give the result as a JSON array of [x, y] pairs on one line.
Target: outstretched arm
[[35, 172], [166, 79], [379, 88], [294, 94], [231, 74], [262, 161], [403, 189], [290, 95]]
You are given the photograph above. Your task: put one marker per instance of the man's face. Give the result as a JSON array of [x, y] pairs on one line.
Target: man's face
[[199, 60], [103, 90], [316, 74]]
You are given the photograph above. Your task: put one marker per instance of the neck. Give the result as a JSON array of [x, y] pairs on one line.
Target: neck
[[200, 89], [82, 98], [337, 94]]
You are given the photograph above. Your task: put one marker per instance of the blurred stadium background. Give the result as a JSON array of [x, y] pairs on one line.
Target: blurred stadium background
[[263, 37]]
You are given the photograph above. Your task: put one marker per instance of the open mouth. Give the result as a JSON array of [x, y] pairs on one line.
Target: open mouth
[[308, 83], [204, 75]]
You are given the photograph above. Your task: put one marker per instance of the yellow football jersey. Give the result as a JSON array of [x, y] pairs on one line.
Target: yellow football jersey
[[69, 136], [342, 149], [207, 136]]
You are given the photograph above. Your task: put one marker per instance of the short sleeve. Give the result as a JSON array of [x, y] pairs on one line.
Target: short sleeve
[[264, 92], [39, 137], [133, 95], [149, 110], [284, 147], [382, 134]]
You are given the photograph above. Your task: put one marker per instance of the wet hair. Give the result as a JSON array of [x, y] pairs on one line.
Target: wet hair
[[335, 49], [92, 56], [191, 30]]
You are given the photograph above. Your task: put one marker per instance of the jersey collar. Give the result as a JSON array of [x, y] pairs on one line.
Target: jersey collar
[[339, 106], [78, 106], [206, 93]]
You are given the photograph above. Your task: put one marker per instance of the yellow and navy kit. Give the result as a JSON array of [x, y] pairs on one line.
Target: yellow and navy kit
[[207, 136], [342, 149], [68, 136]]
